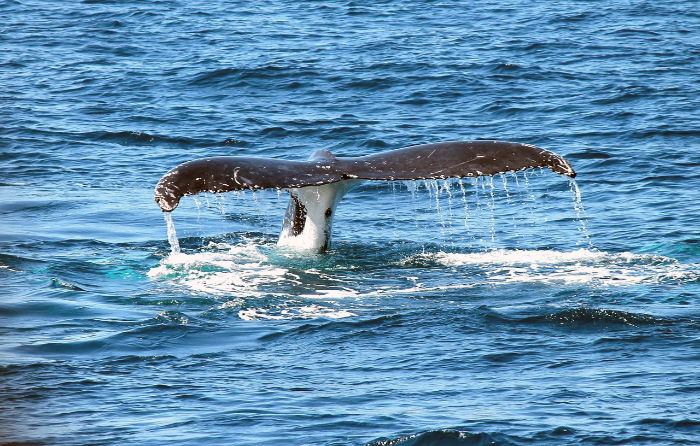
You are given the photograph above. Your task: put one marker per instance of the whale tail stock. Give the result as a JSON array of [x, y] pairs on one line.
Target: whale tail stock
[[317, 185]]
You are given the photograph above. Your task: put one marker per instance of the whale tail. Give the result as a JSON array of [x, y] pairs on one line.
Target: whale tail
[[317, 185]]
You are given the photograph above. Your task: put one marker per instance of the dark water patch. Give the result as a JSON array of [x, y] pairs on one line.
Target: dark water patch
[[147, 338], [449, 437], [373, 326], [415, 101], [674, 424], [592, 317], [556, 436], [506, 67], [282, 132], [63, 348], [611, 344], [50, 310], [13, 63], [371, 84], [506, 357], [24, 443], [26, 367], [17, 157], [629, 32], [658, 132], [575, 16], [128, 51], [98, 110], [625, 94], [504, 106], [489, 315], [131, 138], [313, 122], [17, 263], [239, 76], [661, 179]]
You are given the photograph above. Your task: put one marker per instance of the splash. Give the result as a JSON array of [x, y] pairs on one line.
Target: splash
[[172, 235], [257, 281], [232, 270], [579, 267]]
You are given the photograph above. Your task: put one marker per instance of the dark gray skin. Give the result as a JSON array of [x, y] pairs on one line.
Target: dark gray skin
[[451, 159]]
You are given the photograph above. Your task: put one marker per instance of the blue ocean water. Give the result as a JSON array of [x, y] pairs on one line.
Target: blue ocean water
[[490, 311]]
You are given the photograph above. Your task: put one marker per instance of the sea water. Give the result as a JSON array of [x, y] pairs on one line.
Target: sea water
[[521, 309]]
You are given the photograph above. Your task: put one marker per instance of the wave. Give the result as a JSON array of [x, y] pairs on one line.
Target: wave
[[555, 436], [366, 326], [669, 423], [124, 137], [224, 76], [114, 336], [453, 437], [131, 137], [596, 316]]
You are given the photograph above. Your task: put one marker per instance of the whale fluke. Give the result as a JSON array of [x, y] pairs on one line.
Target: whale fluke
[[452, 159], [229, 173], [317, 185], [455, 159]]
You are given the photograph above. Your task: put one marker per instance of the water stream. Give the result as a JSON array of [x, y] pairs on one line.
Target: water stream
[[172, 235]]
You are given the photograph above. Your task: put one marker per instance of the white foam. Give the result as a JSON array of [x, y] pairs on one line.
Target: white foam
[[238, 270], [260, 285], [332, 293], [568, 267], [513, 257], [304, 312], [244, 274]]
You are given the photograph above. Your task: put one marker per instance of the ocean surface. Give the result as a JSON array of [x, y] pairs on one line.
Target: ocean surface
[[505, 310]]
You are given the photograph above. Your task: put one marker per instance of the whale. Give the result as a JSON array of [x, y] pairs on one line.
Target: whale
[[317, 185]]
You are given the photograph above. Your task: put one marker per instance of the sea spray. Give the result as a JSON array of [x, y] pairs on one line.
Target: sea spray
[[172, 235]]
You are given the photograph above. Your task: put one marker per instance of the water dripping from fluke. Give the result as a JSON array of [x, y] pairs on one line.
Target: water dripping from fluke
[[581, 216], [172, 235]]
